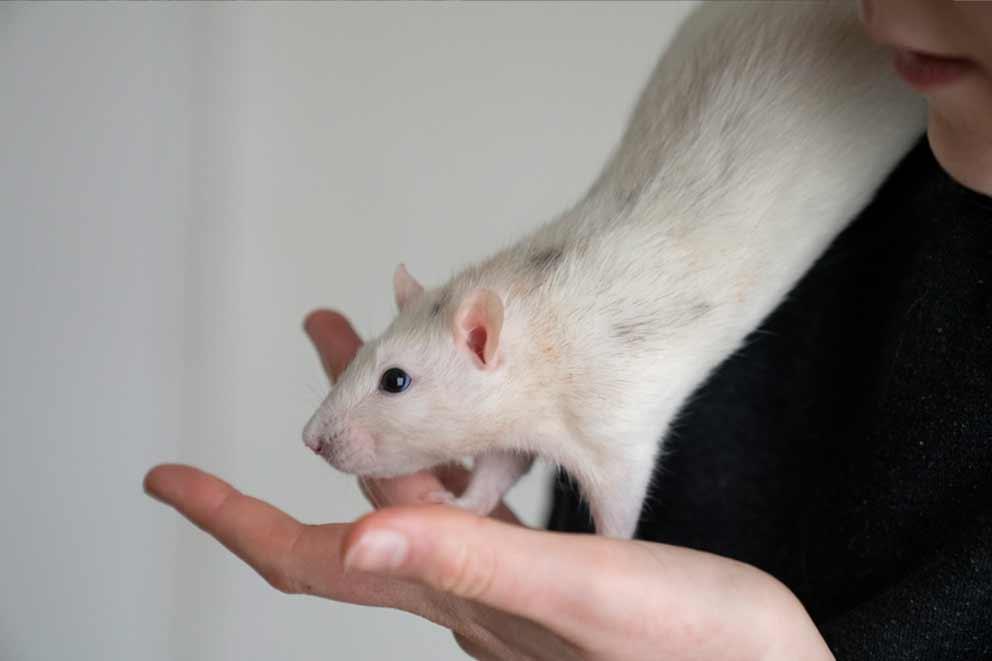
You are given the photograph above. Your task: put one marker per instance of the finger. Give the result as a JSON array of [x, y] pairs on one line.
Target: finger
[[455, 479], [368, 490], [291, 556], [413, 489], [582, 588], [334, 338], [256, 532], [549, 578], [406, 490]]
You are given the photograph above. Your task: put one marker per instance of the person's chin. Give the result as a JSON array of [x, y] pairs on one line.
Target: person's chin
[[963, 149]]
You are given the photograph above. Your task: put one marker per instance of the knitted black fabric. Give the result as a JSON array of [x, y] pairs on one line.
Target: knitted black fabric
[[847, 448]]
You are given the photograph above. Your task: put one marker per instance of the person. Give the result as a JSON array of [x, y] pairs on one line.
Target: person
[[824, 494]]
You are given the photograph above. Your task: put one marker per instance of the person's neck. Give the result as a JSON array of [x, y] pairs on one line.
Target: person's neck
[[966, 156]]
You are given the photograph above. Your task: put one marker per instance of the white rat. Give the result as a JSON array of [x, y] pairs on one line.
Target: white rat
[[763, 130]]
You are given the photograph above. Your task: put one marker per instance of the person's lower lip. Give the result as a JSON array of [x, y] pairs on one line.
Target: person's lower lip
[[925, 72]]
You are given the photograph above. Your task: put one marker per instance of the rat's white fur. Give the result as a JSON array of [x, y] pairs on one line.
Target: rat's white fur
[[762, 131]]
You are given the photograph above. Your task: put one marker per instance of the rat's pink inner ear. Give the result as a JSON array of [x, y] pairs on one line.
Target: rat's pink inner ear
[[478, 323], [405, 286]]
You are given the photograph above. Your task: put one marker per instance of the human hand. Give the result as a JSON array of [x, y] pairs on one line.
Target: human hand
[[506, 591]]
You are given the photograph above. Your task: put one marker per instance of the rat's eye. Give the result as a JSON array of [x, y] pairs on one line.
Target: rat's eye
[[394, 380]]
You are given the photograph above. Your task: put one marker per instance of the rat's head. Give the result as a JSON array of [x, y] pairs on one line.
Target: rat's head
[[419, 394]]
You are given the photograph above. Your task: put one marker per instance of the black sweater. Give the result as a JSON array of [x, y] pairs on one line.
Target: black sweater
[[847, 448]]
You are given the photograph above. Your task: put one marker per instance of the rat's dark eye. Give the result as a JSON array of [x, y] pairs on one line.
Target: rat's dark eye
[[394, 380]]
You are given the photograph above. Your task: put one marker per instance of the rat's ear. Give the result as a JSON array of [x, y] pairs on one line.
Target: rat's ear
[[405, 287], [477, 326]]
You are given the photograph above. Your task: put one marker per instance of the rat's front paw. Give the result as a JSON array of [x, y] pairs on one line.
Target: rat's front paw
[[441, 497], [469, 504]]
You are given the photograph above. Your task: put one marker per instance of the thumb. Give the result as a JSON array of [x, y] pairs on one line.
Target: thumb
[[588, 589], [549, 578]]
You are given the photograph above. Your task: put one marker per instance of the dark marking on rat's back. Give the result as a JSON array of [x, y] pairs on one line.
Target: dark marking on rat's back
[[638, 329], [547, 259], [698, 311], [633, 331]]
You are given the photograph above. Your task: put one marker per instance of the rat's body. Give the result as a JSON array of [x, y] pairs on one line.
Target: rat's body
[[761, 133]]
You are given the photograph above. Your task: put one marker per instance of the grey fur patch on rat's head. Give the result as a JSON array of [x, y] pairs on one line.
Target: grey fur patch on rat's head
[[442, 301], [547, 259]]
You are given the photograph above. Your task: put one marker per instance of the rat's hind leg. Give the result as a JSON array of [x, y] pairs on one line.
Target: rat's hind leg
[[617, 495], [492, 476]]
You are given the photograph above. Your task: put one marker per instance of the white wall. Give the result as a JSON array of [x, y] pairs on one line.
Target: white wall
[[94, 205], [179, 184]]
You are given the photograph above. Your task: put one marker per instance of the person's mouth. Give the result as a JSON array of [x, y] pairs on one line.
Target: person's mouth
[[927, 71]]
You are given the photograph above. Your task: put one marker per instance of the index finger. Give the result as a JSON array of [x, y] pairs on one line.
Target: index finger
[[334, 338], [290, 556], [412, 489]]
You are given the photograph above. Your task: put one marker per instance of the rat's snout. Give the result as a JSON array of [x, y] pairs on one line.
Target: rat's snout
[[319, 433], [345, 447]]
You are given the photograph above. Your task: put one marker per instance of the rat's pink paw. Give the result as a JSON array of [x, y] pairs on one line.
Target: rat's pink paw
[[474, 505], [440, 497]]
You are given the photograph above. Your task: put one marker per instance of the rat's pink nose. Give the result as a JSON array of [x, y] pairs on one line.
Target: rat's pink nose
[[314, 441], [313, 438], [315, 433]]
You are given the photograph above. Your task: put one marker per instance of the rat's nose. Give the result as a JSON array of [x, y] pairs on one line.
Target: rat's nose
[[314, 436], [313, 442], [319, 434]]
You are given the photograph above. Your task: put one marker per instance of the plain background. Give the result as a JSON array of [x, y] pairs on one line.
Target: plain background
[[179, 185]]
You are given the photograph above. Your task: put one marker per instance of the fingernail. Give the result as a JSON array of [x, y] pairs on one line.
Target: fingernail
[[377, 551]]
